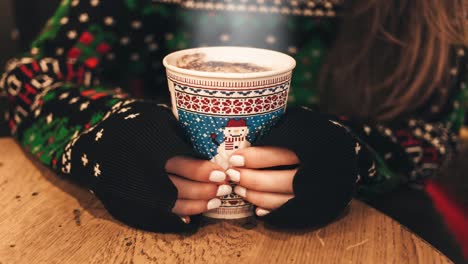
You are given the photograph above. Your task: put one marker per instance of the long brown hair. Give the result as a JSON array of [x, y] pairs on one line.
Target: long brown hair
[[391, 56]]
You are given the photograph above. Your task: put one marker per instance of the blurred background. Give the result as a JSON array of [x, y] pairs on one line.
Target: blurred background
[[21, 21]]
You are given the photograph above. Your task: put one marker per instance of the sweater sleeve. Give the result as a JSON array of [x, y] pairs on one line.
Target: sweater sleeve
[[339, 157], [414, 150], [409, 153], [92, 133]]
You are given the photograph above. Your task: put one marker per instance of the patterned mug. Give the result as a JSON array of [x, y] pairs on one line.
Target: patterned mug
[[223, 112]]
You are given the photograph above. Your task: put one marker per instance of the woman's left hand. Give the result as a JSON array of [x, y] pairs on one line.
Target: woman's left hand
[[258, 182]]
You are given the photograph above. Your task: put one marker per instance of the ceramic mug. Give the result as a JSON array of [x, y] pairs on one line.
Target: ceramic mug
[[223, 112]]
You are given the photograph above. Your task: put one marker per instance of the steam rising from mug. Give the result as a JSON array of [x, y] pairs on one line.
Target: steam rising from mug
[[238, 29]]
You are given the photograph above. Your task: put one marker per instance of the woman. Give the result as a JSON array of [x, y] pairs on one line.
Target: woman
[[390, 70]]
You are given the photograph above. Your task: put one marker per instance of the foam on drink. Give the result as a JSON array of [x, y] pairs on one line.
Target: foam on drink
[[197, 62]]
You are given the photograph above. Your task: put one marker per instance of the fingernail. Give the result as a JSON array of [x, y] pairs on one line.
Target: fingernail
[[237, 160], [224, 190], [261, 212], [185, 219], [213, 203], [241, 191], [217, 176], [233, 175]]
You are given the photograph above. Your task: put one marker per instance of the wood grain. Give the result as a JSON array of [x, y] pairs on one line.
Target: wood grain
[[46, 219]]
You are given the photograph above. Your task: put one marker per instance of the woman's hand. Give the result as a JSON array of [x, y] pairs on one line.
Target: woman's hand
[[198, 182], [258, 182]]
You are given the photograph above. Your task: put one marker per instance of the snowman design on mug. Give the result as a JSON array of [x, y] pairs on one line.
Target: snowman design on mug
[[235, 138]]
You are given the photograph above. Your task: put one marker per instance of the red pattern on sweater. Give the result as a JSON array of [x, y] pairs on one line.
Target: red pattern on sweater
[[455, 216]]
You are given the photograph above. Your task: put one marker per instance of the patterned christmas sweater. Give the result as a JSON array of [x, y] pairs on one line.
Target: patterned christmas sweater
[[70, 104]]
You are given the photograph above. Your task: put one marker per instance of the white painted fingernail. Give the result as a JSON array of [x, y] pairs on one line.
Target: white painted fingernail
[[237, 160], [217, 176], [241, 191], [185, 219], [213, 203], [233, 175], [261, 212], [224, 190]]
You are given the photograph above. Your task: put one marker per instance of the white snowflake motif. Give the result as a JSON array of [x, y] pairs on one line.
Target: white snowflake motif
[[74, 100], [135, 57], [74, 135], [372, 171], [64, 96], [71, 34], [388, 156], [306, 108], [358, 178], [427, 136], [165, 106], [129, 101], [442, 150], [336, 123], [153, 46], [357, 148], [68, 153], [367, 130], [124, 41], [84, 160], [90, 129], [110, 56], [49, 118], [106, 116], [84, 105], [116, 106], [99, 134], [17, 118], [83, 18], [64, 159], [123, 110], [149, 38], [388, 132], [136, 24], [59, 51], [418, 132], [66, 168], [97, 170], [131, 116], [64, 20], [109, 21]]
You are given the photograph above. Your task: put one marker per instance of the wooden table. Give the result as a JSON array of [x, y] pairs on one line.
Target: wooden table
[[45, 219]]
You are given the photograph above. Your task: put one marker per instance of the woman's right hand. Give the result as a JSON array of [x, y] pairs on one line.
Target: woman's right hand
[[198, 183]]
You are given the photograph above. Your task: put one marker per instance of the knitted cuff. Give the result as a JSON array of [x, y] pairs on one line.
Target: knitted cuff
[[326, 178], [126, 154]]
